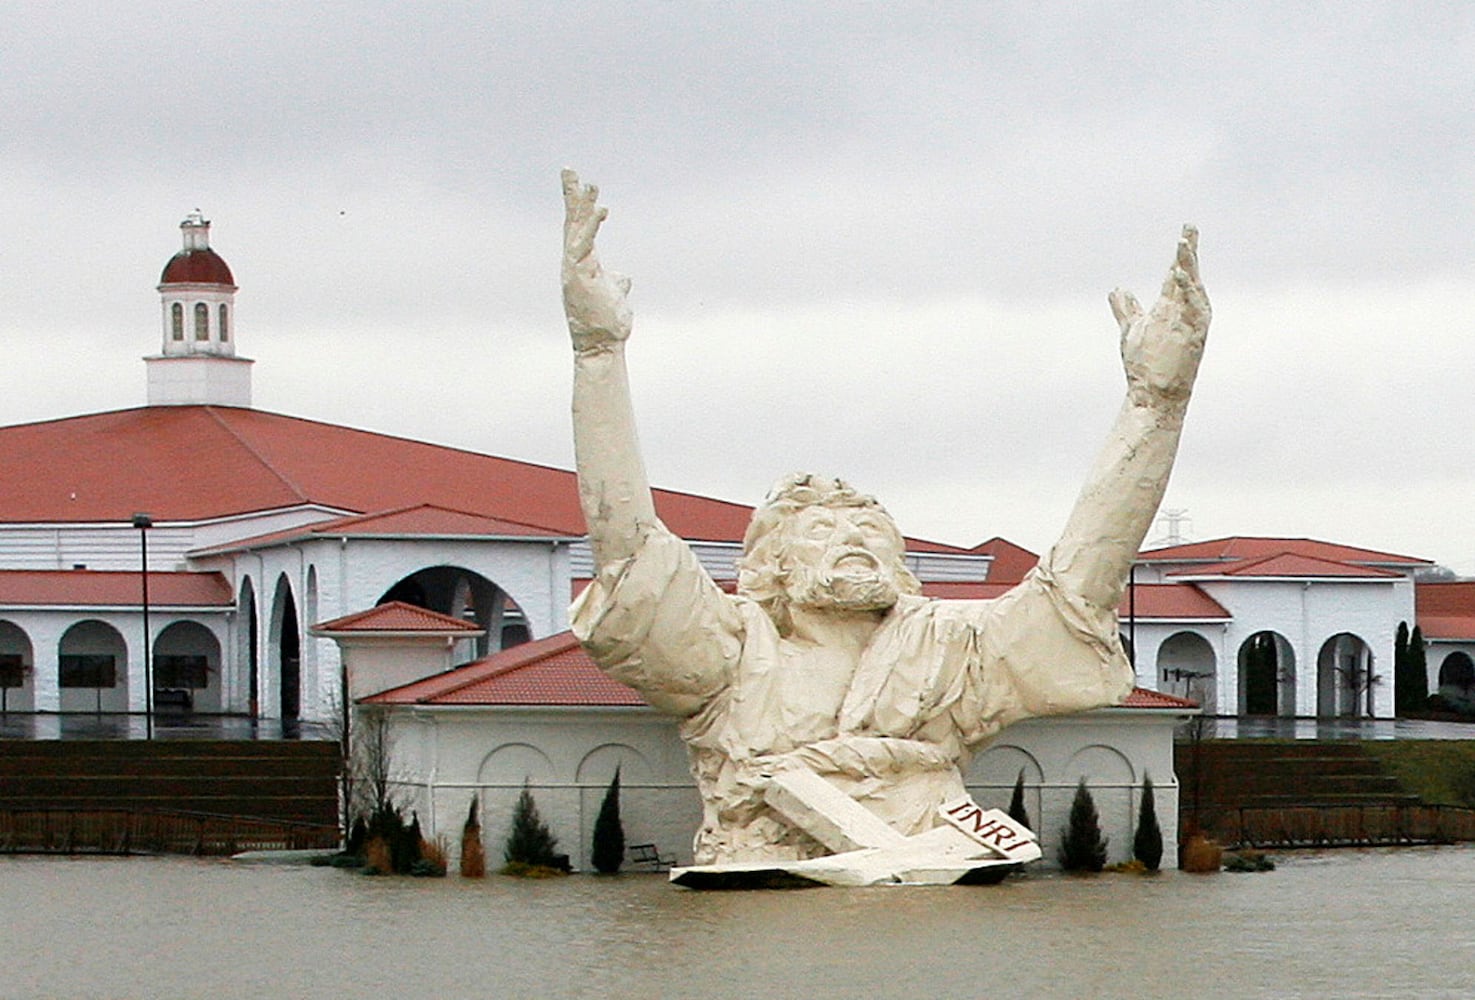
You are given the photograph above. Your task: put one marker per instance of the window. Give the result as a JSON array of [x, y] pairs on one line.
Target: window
[[88, 670], [177, 671], [12, 671], [176, 321], [224, 327], [202, 321]]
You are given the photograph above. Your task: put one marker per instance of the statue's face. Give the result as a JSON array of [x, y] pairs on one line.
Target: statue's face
[[841, 558]]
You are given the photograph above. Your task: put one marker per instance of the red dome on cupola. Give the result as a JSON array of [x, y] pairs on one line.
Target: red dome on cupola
[[196, 264], [201, 267]]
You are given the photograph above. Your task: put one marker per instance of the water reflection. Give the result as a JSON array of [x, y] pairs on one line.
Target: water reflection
[[1338, 924]]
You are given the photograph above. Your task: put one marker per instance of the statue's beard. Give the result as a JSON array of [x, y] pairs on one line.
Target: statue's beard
[[850, 580]]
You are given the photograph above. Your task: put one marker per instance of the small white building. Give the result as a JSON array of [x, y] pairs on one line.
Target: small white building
[[543, 716]]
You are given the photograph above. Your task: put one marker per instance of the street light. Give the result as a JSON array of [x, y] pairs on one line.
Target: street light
[[143, 523]]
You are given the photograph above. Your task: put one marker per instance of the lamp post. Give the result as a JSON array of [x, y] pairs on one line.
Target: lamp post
[[143, 523]]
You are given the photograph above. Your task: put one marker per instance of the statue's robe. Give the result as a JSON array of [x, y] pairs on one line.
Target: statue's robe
[[936, 680]]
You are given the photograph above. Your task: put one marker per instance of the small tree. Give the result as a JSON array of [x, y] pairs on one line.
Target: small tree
[[1147, 841], [609, 835], [529, 842], [1082, 847], [1017, 811], [473, 852]]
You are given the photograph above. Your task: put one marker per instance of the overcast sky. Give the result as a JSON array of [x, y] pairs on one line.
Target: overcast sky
[[873, 240]]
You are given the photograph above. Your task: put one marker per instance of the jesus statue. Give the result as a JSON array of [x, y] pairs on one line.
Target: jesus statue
[[828, 659]]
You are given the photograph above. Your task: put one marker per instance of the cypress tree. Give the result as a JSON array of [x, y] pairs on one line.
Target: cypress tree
[[1017, 812], [1147, 841], [1418, 668], [609, 835], [1403, 697], [529, 842], [1082, 847]]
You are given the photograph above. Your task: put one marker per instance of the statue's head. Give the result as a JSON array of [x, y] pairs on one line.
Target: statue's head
[[817, 543]]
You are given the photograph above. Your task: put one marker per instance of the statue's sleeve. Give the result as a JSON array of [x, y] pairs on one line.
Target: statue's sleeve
[[956, 672], [1045, 650], [657, 622]]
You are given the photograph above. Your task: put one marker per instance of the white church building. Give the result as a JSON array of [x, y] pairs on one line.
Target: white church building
[[254, 548]]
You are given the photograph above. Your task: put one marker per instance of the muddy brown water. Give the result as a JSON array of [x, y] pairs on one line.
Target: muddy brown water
[[1337, 924]]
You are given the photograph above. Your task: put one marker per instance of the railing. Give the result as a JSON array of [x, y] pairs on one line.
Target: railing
[[1344, 825], [129, 831]]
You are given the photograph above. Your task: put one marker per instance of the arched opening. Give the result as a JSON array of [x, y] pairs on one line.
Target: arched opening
[[176, 321], [92, 662], [187, 668], [17, 663], [224, 325], [286, 651], [1267, 675], [246, 634], [1186, 668], [1345, 677], [462, 593], [202, 321], [1457, 680]]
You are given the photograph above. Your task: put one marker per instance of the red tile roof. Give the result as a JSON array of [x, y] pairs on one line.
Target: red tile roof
[[397, 616], [1241, 547], [21, 587], [557, 671], [184, 463], [1445, 610], [1288, 565], [550, 671], [1143, 698], [1011, 561], [1171, 600]]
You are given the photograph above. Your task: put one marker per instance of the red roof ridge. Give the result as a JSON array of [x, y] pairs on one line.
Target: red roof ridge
[[1243, 567], [286, 480], [370, 515], [1223, 548], [392, 617]]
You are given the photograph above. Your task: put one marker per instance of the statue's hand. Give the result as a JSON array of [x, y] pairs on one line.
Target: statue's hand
[[1161, 349], [594, 300]]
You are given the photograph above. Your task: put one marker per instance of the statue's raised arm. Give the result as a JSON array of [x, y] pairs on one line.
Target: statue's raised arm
[[613, 488], [1161, 349]]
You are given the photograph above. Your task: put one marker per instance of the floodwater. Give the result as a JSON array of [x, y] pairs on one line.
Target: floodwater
[[1337, 924]]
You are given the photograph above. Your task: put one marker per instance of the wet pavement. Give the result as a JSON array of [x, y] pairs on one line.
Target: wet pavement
[[167, 726], [1256, 728], [190, 726]]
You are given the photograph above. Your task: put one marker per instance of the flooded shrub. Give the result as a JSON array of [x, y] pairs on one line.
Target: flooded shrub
[[1249, 861], [530, 844], [1202, 855], [1017, 811], [1147, 841], [1082, 847], [473, 852], [608, 851]]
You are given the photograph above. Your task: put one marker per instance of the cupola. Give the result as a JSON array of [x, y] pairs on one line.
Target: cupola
[[197, 362]]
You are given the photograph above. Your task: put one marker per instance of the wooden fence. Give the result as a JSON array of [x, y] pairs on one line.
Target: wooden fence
[[1344, 825], [128, 831]]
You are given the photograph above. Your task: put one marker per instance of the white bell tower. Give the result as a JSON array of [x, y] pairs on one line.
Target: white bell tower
[[197, 363]]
